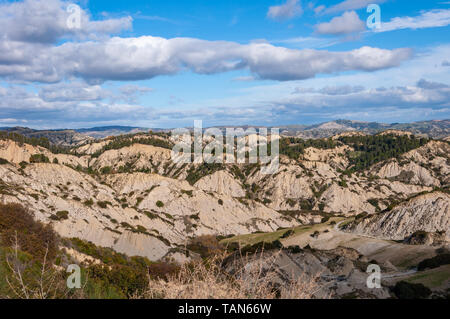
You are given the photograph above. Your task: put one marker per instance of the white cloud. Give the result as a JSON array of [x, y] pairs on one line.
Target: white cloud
[[124, 59], [428, 19], [45, 21], [75, 91], [348, 23], [319, 9], [289, 10]]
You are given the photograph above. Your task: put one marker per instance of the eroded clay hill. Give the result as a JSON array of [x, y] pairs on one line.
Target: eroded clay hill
[[128, 194]]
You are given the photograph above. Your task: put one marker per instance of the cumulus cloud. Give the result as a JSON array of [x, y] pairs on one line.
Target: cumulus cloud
[[349, 22], [289, 10], [428, 19], [45, 21], [124, 59], [77, 91]]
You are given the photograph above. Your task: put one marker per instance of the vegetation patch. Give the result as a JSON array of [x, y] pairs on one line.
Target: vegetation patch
[[39, 158], [406, 290], [61, 215]]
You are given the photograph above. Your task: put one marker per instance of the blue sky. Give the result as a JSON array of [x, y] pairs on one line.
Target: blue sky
[[265, 62]]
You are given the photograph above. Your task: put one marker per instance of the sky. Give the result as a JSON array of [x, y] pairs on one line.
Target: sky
[[164, 64]]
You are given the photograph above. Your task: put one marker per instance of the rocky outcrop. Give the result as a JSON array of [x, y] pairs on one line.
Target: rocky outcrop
[[16, 153], [429, 213], [410, 173], [221, 183], [341, 199]]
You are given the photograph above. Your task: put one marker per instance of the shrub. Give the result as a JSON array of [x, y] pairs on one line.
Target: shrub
[[434, 262], [205, 246], [106, 170], [141, 229], [162, 270], [287, 234], [189, 193], [61, 215], [39, 158], [150, 215], [103, 204], [406, 290], [32, 237], [3, 161], [88, 202], [220, 201], [262, 246], [295, 249], [315, 234], [159, 204], [55, 161]]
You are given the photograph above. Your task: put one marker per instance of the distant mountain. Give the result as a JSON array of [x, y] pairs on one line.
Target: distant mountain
[[438, 129], [435, 129], [56, 137], [104, 131], [69, 137]]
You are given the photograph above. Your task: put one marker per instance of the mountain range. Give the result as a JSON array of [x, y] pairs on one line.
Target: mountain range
[[69, 137]]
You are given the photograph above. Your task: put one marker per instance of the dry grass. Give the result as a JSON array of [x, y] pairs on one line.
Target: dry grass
[[255, 277]]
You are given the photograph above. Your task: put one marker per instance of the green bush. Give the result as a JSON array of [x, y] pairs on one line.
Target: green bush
[[434, 262], [61, 215], [88, 202], [39, 158], [287, 234], [103, 204], [159, 204], [406, 290], [33, 237], [106, 170]]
